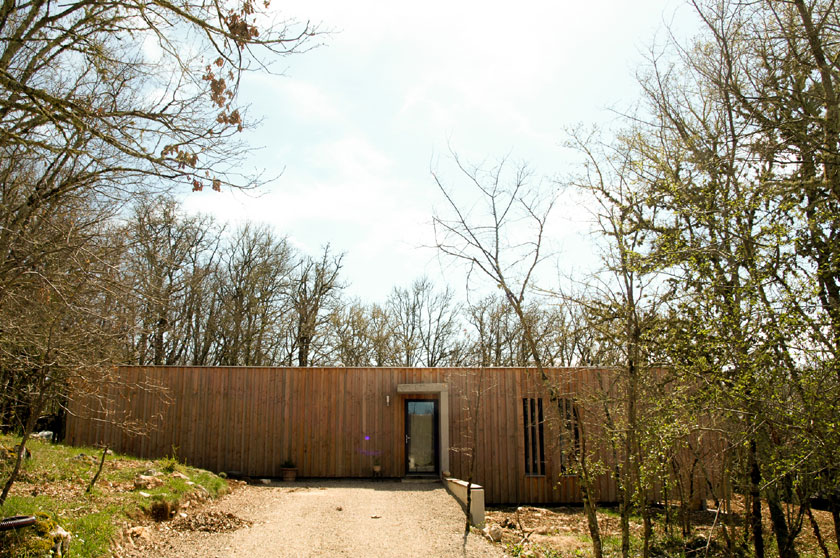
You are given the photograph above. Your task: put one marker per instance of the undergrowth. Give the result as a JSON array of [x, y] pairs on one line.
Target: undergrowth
[[52, 486]]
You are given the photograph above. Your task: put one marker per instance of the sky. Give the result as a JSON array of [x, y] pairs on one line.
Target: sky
[[355, 127]]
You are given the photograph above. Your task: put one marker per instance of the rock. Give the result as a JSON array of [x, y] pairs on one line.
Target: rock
[[144, 482], [179, 475], [265, 481], [139, 532], [493, 532], [61, 540], [145, 494]]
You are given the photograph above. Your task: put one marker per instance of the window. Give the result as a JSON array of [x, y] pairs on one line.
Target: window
[[532, 414], [569, 432]]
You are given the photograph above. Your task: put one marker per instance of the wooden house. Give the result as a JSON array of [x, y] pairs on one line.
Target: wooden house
[[504, 423]]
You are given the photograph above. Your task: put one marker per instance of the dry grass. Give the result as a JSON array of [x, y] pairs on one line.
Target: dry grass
[[563, 531]]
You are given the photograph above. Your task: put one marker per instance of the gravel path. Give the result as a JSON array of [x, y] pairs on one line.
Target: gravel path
[[330, 518]]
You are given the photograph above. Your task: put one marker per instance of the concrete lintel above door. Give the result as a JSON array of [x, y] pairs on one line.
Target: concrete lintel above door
[[422, 388], [443, 390]]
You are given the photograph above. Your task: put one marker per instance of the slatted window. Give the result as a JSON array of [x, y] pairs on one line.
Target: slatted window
[[570, 433], [532, 413]]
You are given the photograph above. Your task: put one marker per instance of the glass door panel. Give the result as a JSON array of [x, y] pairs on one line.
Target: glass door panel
[[421, 436]]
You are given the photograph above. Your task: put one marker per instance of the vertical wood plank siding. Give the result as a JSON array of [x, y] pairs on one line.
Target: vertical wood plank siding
[[335, 422]]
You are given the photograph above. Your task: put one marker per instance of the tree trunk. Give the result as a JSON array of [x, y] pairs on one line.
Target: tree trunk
[[303, 352], [816, 528], [626, 505], [784, 541], [21, 450], [589, 504], [755, 500], [834, 506], [591, 517]]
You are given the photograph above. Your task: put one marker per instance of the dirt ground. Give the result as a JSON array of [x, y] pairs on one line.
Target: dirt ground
[[328, 518], [563, 531]]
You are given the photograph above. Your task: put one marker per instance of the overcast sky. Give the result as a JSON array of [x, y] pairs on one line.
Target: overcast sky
[[356, 125]]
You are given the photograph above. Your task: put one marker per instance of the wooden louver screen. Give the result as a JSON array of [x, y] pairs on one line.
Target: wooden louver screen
[[570, 433], [532, 414]]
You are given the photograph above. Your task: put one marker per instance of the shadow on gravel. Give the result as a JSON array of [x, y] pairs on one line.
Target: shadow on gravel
[[386, 485]]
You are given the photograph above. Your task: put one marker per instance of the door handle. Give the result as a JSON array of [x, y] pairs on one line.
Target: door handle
[[407, 438]]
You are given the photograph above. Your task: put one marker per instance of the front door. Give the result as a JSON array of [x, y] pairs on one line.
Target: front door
[[421, 436]]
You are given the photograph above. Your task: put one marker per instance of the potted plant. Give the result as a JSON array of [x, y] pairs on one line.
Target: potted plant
[[289, 470], [377, 467]]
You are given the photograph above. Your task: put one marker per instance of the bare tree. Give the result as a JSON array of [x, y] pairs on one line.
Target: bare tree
[[424, 324], [169, 258], [352, 334], [489, 243], [315, 286], [624, 308], [57, 327], [256, 277]]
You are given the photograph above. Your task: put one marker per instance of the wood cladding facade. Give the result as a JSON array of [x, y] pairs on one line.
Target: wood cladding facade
[[337, 422]]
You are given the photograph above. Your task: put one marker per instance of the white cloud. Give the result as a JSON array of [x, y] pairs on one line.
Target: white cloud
[[356, 123]]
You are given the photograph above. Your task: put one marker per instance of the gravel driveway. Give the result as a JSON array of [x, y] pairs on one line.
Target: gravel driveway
[[330, 518]]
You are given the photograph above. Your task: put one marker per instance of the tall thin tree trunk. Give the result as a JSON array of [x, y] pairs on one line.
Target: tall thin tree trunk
[[784, 541], [34, 413], [816, 528], [755, 500], [834, 506]]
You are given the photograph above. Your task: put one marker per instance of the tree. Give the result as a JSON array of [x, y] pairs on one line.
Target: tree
[[487, 243], [735, 149], [168, 262], [256, 277], [424, 324], [624, 311], [315, 287], [58, 330], [99, 101], [118, 92]]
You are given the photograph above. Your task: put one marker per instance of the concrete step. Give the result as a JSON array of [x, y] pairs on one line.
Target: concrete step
[[421, 479]]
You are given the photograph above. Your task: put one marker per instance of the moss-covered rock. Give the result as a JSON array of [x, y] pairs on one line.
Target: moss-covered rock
[[43, 539]]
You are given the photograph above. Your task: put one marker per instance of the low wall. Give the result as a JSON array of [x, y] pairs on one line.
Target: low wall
[[458, 489]]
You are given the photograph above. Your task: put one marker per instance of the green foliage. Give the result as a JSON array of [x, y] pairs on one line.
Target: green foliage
[[170, 463]]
